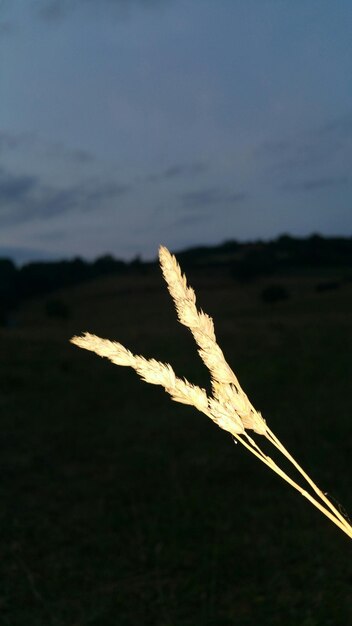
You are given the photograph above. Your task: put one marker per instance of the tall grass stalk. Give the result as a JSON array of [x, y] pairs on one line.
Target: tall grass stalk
[[228, 406]]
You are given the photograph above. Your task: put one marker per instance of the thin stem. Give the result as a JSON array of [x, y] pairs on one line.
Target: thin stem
[[270, 463], [277, 443]]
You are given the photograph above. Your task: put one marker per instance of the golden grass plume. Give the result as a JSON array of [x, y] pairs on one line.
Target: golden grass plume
[[228, 406]]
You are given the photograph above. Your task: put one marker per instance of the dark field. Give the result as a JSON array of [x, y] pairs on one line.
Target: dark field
[[121, 508]]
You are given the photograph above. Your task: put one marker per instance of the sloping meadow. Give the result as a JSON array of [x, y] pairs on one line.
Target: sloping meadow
[[120, 507]]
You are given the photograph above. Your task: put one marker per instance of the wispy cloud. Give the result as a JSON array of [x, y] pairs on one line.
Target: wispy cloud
[[25, 141], [179, 170], [184, 221], [315, 184], [59, 151], [25, 198], [314, 147], [209, 196], [14, 141], [52, 235], [14, 189]]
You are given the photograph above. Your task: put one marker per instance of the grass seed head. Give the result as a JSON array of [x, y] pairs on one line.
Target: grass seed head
[[229, 407]]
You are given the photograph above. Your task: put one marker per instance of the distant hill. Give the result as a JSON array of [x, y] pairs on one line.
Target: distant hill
[[244, 261], [247, 261]]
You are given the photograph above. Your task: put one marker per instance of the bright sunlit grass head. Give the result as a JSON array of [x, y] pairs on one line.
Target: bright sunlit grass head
[[228, 406]]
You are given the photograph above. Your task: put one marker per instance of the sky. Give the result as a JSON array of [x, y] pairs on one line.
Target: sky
[[126, 124]]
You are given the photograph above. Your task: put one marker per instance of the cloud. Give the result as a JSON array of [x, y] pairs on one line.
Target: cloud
[[25, 198], [315, 184], [14, 188], [180, 170], [311, 148], [189, 220], [84, 197], [52, 235], [93, 193], [59, 151], [26, 141], [209, 196], [81, 156], [13, 141]]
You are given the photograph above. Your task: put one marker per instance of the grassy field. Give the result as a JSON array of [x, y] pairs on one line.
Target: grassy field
[[121, 508]]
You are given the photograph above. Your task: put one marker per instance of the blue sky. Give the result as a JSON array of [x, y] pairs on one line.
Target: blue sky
[[130, 123]]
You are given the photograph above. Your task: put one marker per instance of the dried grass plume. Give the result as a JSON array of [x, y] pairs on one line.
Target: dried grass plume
[[228, 406]]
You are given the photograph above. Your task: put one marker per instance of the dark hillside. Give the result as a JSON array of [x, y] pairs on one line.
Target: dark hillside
[[121, 507], [246, 262]]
